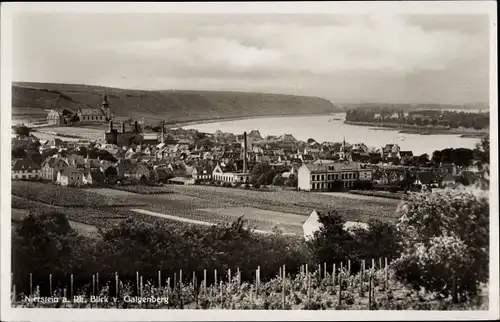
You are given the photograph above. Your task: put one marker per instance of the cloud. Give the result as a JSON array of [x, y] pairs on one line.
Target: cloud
[[382, 57]]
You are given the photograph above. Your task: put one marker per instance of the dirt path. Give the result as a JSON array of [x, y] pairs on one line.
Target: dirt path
[[189, 221]]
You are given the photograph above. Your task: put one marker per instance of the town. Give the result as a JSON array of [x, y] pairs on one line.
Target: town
[[128, 155]]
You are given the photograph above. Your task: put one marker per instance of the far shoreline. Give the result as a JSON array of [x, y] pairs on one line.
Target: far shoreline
[[181, 124]]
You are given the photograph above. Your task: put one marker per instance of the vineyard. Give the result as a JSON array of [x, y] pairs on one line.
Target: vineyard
[[324, 288]]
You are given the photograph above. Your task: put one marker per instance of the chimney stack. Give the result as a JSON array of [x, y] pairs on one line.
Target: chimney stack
[[110, 126], [163, 132], [136, 127], [245, 167], [123, 127]]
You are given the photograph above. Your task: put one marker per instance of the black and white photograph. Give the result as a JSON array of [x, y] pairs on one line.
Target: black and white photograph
[[239, 161]]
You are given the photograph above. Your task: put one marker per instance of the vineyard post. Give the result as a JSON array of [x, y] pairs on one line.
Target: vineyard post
[[168, 292], [348, 267], [324, 268], [258, 276], [308, 290], [229, 275], [370, 293], [215, 276], [361, 280], [239, 277], [31, 284], [319, 271], [341, 266], [180, 289], [340, 288], [221, 295], [97, 283], [159, 280], [140, 294], [333, 274], [386, 275], [281, 274], [93, 284], [196, 289], [307, 270], [194, 279], [284, 290], [257, 282], [50, 284], [117, 289], [380, 263], [373, 264], [204, 281], [251, 297], [175, 283], [71, 287], [137, 281]]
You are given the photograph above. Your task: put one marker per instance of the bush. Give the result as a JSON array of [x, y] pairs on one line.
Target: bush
[[445, 237], [256, 185]]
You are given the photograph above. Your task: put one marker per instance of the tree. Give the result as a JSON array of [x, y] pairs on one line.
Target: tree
[[331, 243], [418, 121], [44, 243], [18, 153], [423, 159], [425, 122], [445, 241], [110, 173], [434, 122], [292, 182], [22, 130], [262, 180], [278, 180], [436, 157]]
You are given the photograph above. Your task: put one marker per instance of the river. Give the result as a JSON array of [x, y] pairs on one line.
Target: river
[[326, 128]]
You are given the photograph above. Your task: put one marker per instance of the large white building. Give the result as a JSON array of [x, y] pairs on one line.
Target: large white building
[[324, 177]]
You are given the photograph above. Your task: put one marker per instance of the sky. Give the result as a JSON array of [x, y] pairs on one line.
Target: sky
[[343, 58]]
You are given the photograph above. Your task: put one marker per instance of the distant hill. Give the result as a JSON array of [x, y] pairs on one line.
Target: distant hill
[[172, 105]]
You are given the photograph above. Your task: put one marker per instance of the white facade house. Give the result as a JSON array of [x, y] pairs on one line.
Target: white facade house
[[323, 177], [220, 174], [25, 169]]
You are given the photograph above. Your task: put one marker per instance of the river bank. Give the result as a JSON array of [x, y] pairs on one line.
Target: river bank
[[423, 130], [239, 118]]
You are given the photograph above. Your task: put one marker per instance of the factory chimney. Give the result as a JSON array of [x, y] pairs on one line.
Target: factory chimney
[[123, 127], [136, 127], [163, 132], [245, 166]]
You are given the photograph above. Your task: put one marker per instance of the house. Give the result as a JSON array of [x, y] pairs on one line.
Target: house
[[91, 115], [139, 172], [93, 177], [55, 118], [203, 173], [25, 169], [312, 225], [450, 181], [287, 138], [391, 153], [181, 180], [426, 179], [51, 167], [306, 158], [70, 176], [323, 177], [224, 174]]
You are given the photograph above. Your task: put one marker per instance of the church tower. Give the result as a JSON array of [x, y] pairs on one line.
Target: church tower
[[105, 106]]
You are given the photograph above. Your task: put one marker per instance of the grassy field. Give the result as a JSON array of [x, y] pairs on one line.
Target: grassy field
[[264, 210]]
